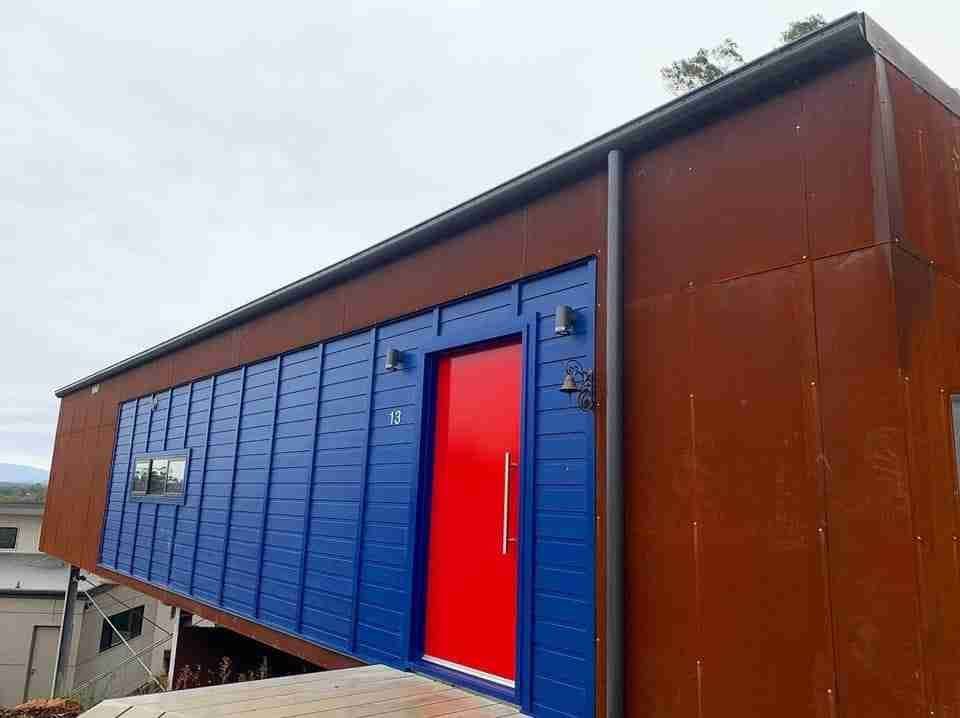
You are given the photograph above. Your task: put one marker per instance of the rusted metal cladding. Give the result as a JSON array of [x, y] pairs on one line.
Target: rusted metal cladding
[[559, 228], [769, 555], [926, 267]]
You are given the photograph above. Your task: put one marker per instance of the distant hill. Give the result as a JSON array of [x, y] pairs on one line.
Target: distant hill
[[19, 474]]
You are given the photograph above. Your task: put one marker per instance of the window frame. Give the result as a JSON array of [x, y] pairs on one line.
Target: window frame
[[16, 538], [157, 498], [114, 639]]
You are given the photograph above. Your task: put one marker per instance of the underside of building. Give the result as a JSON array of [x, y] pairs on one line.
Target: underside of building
[[661, 427]]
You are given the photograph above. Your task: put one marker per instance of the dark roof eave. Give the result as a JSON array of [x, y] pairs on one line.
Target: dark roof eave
[[835, 44]]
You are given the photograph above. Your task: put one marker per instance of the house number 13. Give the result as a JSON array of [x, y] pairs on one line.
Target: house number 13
[[395, 417]]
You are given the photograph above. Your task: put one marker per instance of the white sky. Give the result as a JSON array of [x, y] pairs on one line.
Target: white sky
[[165, 162]]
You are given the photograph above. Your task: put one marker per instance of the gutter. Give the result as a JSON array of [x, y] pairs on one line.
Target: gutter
[[833, 45]]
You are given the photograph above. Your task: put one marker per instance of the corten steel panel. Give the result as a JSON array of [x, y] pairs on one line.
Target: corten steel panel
[[483, 257], [912, 136], [475, 260], [872, 556], [565, 224], [946, 477], [931, 481], [926, 268], [724, 202], [789, 178], [840, 140], [766, 652], [928, 148], [659, 465]]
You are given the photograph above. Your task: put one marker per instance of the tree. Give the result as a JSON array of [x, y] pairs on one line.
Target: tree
[[709, 64], [705, 66], [804, 26]]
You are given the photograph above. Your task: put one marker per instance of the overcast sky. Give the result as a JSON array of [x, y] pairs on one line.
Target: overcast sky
[[165, 162]]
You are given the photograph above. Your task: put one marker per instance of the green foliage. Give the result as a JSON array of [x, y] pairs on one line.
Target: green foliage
[[709, 64], [23, 493], [804, 26], [705, 66]]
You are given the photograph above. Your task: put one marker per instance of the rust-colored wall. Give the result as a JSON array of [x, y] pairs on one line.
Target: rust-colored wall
[[770, 548], [926, 267]]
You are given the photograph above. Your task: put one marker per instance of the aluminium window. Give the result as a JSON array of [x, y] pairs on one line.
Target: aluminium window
[[129, 623], [160, 476], [8, 538]]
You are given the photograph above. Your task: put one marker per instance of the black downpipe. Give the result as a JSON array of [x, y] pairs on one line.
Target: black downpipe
[[614, 433]]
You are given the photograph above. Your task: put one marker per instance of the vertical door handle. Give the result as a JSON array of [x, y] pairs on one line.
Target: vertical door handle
[[506, 499]]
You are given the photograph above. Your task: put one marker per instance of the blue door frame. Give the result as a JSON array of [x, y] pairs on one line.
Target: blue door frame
[[525, 329]]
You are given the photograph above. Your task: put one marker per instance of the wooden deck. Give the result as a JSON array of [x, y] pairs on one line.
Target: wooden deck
[[347, 693]]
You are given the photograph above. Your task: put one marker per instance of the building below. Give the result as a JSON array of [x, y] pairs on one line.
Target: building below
[[32, 587]]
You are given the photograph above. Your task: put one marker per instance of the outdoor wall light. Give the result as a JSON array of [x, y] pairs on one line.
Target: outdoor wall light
[[394, 360], [563, 321], [578, 381]]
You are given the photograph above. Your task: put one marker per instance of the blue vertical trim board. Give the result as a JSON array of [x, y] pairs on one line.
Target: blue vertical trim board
[[266, 491], [364, 478], [133, 433], [200, 487], [312, 507], [308, 502], [139, 511], [176, 507], [156, 507], [527, 515], [233, 485]]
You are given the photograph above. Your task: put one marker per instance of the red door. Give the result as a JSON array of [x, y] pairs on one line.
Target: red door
[[471, 611]]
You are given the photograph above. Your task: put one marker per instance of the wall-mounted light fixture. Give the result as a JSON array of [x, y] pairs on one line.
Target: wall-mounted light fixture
[[563, 324], [394, 360], [578, 381]]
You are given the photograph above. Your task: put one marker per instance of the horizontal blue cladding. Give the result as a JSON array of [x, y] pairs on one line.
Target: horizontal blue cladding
[[303, 480]]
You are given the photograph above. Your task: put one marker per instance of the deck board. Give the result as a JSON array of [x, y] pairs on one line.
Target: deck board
[[362, 692]]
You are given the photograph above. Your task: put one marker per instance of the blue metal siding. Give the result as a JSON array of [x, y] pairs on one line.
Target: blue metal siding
[[300, 490]]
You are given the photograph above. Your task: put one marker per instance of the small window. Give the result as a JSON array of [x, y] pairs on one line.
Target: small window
[[140, 474], [175, 474], [158, 477], [161, 477], [129, 623], [8, 537]]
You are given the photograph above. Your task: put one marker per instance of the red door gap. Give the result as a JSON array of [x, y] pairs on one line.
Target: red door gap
[[471, 608]]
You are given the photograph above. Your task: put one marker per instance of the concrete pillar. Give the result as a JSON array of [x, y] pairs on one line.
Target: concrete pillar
[[66, 633]]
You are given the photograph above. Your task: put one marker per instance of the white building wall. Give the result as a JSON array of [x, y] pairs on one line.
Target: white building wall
[[26, 519], [18, 617], [24, 570]]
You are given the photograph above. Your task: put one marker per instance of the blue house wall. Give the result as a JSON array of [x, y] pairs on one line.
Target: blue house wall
[[301, 496]]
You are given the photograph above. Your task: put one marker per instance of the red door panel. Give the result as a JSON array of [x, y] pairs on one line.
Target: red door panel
[[472, 565]]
